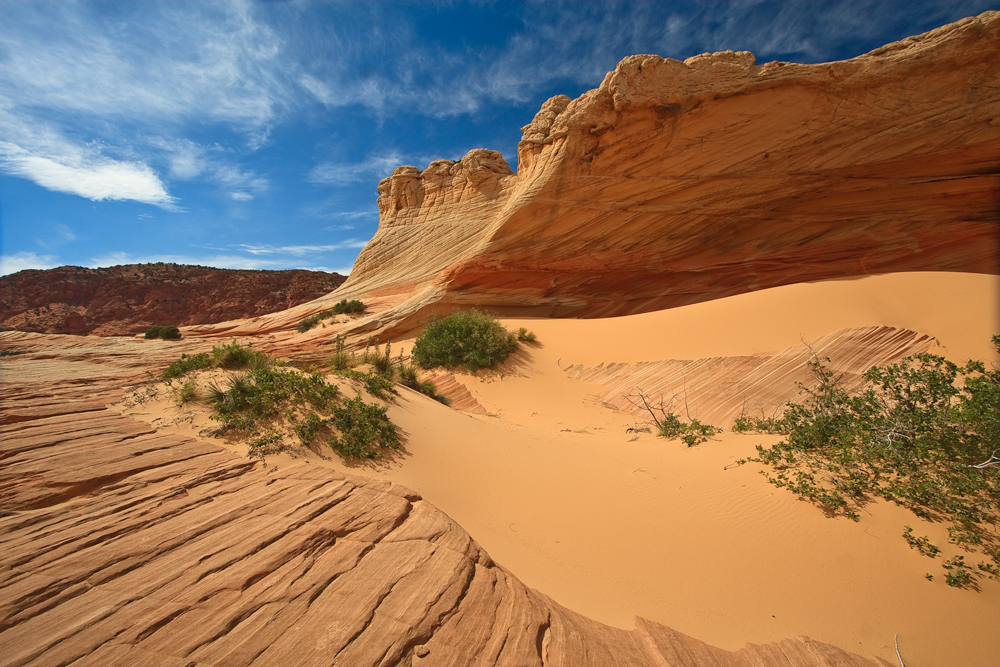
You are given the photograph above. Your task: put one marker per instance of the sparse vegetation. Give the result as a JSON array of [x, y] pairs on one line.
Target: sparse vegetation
[[470, 339], [669, 424], [921, 544], [186, 364], [526, 336], [263, 404], [343, 307], [167, 332], [341, 360], [922, 433], [188, 392]]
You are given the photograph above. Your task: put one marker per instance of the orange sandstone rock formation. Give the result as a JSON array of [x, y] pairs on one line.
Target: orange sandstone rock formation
[[678, 182]]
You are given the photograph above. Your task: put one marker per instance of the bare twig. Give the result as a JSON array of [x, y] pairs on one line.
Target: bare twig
[[992, 461], [899, 657]]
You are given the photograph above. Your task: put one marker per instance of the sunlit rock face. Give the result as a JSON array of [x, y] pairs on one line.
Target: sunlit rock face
[[678, 182]]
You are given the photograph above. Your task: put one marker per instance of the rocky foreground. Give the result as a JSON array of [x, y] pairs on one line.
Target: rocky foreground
[[128, 299], [125, 546]]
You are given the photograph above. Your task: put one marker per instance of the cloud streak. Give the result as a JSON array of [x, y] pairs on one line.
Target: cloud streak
[[20, 261]]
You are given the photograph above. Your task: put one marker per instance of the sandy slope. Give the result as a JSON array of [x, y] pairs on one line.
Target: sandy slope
[[615, 526]]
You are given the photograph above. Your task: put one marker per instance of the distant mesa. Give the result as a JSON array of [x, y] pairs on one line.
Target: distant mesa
[[127, 299], [679, 182]]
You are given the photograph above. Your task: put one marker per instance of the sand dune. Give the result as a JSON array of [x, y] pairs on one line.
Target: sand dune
[[542, 473]]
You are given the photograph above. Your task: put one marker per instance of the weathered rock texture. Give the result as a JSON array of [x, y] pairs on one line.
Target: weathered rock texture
[[120, 545], [129, 299], [678, 182]]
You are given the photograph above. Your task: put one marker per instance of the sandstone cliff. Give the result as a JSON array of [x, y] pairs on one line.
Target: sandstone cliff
[[678, 182], [128, 299]]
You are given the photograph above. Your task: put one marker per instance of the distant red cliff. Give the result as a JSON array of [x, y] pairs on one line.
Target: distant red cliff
[[128, 299]]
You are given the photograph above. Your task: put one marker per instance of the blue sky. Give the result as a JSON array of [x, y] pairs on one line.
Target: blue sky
[[252, 134]]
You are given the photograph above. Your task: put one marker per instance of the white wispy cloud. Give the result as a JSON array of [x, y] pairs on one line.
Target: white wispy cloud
[[344, 173], [94, 177], [25, 260], [300, 250]]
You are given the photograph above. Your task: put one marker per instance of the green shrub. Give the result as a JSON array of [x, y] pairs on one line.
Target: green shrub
[[311, 321], [308, 428], [669, 424], [921, 544], [471, 339], [168, 332], [526, 336], [234, 355], [345, 307], [341, 360], [921, 433], [381, 363], [364, 429], [187, 364], [188, 392]]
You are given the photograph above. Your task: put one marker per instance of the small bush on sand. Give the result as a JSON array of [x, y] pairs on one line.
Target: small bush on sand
[[188, 392], [669, 424], [923, 433], [186, 364], [352, 307], [341, 360], [364, 428], [526, 336], [471, 339]]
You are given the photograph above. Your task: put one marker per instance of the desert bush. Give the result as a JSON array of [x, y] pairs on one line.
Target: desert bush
[[186, 364], [341, 360], [311, 321], [168, 332], [254, 403], [669, 424], [364, 429], [408, 378], [309, 428], [187, 392], [921, 433], [471, 339], [234, 355], [352, 307], [526, 336]]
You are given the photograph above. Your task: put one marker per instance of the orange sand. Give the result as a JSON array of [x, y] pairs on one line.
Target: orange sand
[[556, 491]]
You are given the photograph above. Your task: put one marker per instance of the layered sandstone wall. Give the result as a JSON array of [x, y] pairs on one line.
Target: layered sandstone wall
[[678, 182]]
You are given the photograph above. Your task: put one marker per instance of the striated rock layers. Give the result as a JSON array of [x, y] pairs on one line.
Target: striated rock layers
[[130, 298], [120, 545], [678, 182]]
